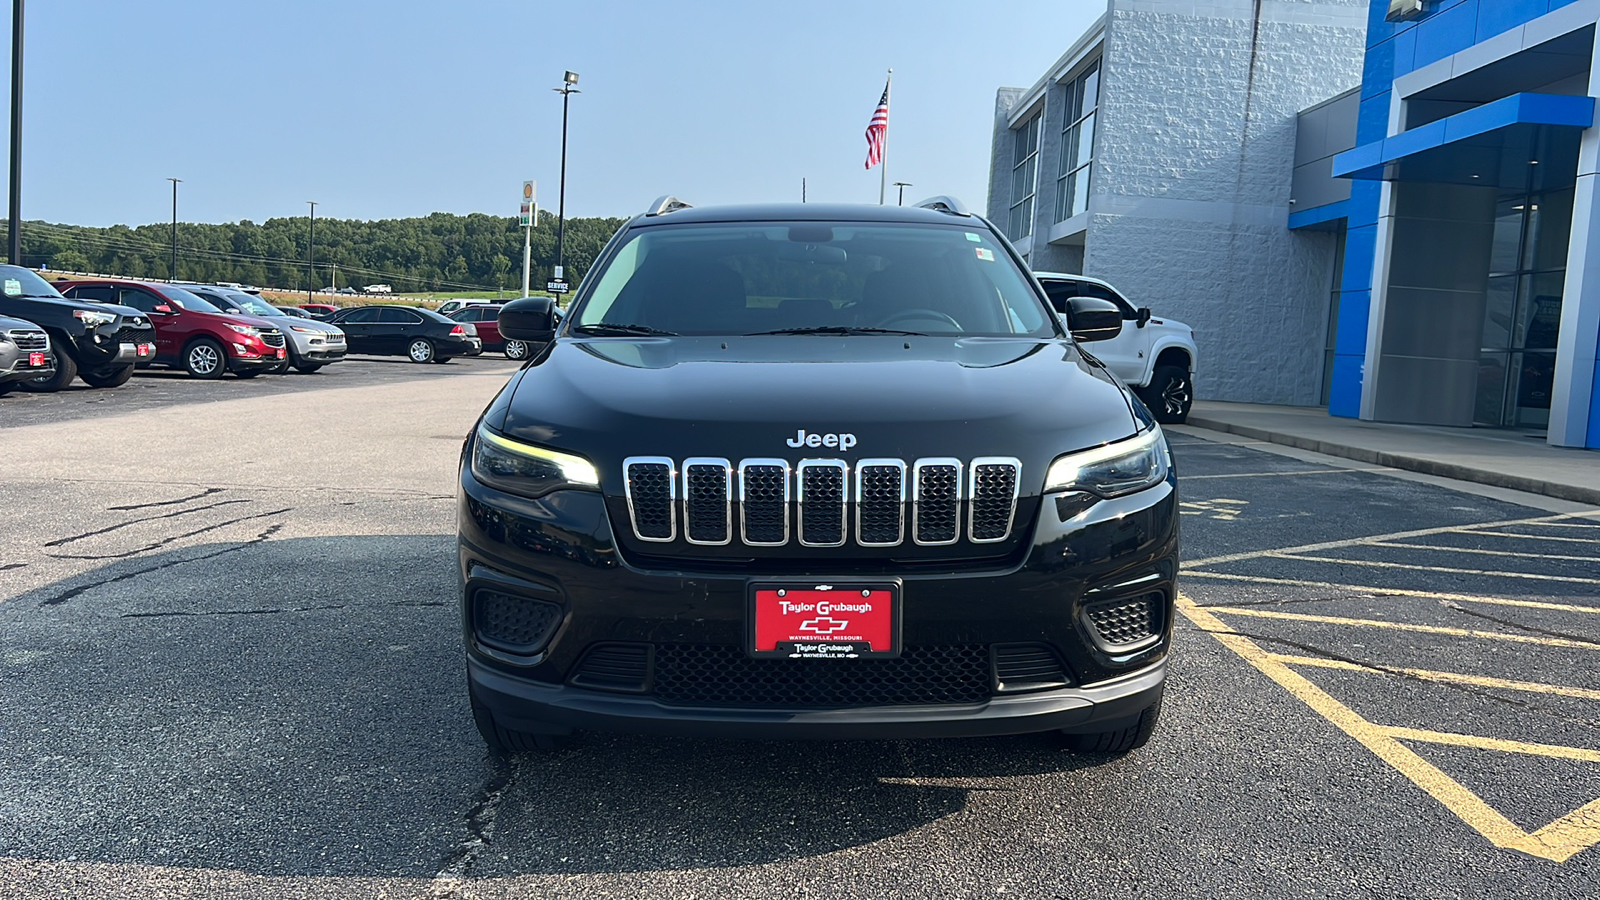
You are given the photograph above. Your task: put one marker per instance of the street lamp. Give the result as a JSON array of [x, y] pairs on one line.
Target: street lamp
[[902, 185], [172, 272], [311, 251], [16, 132], [566, 91]]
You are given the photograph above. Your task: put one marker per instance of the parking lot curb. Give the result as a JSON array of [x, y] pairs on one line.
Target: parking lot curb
[[1408, 462]]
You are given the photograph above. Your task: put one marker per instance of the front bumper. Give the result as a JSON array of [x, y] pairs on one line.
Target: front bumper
[[559, 550], [14, 365], [268, 358]]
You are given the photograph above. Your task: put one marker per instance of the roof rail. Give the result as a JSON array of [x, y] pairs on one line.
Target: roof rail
[[664, 204], [945, 204]]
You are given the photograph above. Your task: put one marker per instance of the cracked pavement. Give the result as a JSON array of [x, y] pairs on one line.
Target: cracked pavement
[[230, 667]]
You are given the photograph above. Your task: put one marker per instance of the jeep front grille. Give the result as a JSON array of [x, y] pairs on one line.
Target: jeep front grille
[[885, 494]]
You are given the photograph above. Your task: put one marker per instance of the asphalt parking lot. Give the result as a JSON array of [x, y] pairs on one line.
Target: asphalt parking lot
[[230, 665]]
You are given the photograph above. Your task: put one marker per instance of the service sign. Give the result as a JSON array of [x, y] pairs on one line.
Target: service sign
[[556, 287], [850, 620]]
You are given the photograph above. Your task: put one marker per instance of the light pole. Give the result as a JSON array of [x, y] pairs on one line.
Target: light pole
[[902, 185], [311, 251], [16, 132], [566, 91], [172, 272]]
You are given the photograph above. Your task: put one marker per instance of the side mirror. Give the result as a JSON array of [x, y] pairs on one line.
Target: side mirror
[[531, 319], [1093, 319], [163, 309], [1144, 315]]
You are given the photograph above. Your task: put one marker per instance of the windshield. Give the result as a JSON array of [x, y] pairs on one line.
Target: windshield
[[249, 304], [187, 300], [20, 282], [829, 278]]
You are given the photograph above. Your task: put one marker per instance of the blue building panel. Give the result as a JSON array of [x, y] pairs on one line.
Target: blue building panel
[[1372, 122], [1450, 30], [1344, 395], [1360, 248], [1593, 440], [1350, 337], [1377, 72], [1499, 16]]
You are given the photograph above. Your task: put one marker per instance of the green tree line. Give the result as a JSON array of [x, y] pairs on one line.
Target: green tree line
[[437, 252]]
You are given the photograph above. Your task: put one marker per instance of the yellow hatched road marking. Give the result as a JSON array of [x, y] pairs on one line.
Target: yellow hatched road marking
[[1392, 536], [1557, 841], [1535, 687], [1555, 751], [1301, 557], [1500, 553], [1406, 626], [1397, 592]]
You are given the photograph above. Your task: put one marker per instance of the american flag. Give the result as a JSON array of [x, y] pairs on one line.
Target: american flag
[[878, 130]]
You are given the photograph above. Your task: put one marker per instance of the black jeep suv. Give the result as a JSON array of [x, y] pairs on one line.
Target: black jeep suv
[[94, 341], [819, 471]]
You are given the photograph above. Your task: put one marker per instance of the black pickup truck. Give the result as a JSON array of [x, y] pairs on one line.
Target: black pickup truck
[[98, 343], [816, 471]]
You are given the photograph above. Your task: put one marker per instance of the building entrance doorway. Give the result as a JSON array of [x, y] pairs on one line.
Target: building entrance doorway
[[1522, 313]]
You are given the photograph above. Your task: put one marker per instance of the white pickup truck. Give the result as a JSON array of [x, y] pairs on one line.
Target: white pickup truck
[[1155, 357]]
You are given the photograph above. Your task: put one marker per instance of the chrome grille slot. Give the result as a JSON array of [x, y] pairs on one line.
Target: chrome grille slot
[[707, 501], [823, 505], [936, 501], [30, 340], [764, 502], [880, 502], [992, 498], [651, 489]]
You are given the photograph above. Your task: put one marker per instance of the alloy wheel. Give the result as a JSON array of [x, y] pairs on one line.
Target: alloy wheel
[[204, 359]]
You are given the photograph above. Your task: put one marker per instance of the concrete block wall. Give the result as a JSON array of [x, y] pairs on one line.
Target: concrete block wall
[[1192, 178]]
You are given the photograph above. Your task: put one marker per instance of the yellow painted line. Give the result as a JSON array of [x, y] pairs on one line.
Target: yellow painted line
[[1558, 841], [1533, 687], [1407, 626], [1379, 538], [1555, 751], [1537, 537], [1299, 557], [1592, 558], [1398, 592], [1329, 471]]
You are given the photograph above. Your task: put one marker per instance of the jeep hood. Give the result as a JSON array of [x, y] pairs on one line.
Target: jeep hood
[[749, 397]]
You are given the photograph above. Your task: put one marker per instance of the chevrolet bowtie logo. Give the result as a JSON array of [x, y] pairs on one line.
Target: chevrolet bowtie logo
[[823, 625]]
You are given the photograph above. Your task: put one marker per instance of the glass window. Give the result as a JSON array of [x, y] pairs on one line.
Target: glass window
[[1077, 144], [399, 317], [29, 281], [365, 316], [717, 279], [143, 301], [1024, 176], [95, 293]]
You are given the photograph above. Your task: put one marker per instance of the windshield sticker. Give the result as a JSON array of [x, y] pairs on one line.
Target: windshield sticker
[[13, 287], [985, 254], [977, 239]]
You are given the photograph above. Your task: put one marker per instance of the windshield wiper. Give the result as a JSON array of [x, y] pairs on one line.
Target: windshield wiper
[[612, 328], [837, 329]]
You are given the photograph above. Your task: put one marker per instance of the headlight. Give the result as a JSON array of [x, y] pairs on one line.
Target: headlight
[[93, 318], [1113, 470], [518, 468], [243, 329], [305, 330]]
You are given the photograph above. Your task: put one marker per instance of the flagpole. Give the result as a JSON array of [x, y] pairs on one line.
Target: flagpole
[[883, 167]]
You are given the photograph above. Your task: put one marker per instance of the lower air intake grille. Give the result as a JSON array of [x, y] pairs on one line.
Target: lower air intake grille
[[615, 667], [718, 675], [512, 623], [1028, 667], [1128, 620]]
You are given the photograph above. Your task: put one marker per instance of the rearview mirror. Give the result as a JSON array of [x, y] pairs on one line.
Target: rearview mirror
[[1093, 319], [530, 319], [1144, 315]]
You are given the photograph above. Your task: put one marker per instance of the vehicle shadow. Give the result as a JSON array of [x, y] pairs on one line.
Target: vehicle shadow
[[297, 708]]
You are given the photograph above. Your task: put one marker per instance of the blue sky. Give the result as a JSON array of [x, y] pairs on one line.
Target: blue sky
[[401, 108]]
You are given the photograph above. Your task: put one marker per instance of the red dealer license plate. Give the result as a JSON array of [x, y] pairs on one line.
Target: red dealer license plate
[[35, 360], [851, 620]]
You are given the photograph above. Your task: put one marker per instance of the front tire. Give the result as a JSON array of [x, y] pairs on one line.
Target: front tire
[[66, 370], [517, 350], [107, 378], [1121, 740], [1169, 395], [204, 359], [420, 351]]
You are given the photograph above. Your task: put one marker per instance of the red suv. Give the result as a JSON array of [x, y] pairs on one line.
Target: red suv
[[192, 334]]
